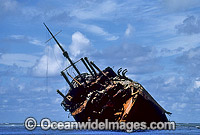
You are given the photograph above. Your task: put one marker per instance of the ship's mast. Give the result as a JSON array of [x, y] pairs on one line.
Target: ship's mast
[[65, 53]]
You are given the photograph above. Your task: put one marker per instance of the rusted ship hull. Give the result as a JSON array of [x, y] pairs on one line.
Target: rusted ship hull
[[117, 99], [107, 95], [145, 110], [137, 110]]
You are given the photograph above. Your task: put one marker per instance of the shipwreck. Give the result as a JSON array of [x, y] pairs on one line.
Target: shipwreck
[[106, 94]]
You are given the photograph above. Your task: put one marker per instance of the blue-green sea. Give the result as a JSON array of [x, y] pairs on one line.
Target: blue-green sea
[[19, 129]]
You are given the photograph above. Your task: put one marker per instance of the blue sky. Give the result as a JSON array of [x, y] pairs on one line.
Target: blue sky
[[157, 41]]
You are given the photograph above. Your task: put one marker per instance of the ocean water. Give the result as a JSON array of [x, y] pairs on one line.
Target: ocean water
[[19, 129]]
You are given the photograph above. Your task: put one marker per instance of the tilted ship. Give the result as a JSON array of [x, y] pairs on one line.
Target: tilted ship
[[105, 94]]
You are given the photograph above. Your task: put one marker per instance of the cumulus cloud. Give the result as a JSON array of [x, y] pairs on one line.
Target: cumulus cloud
[[129, 30], [51, 62], [80, 45], [191, 25]]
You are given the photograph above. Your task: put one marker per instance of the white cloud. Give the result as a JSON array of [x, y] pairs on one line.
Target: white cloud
[[17, 36], [197, 84], [170, 81], [21, 60], [129, 30], [94, 10], [51, 62], [35, 42], [112, 38], [80, 44], [24, 38], [98, 30]]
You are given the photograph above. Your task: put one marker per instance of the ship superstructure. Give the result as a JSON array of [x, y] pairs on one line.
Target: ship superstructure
[[105, 94]]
